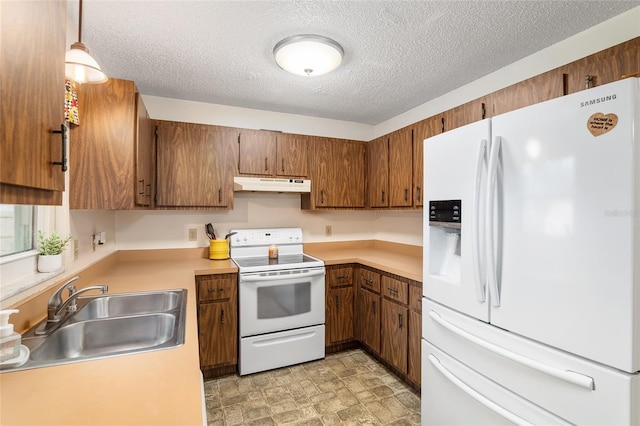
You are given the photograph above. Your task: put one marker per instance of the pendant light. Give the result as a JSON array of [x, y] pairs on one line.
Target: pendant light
[[79, 64], [308, 54]]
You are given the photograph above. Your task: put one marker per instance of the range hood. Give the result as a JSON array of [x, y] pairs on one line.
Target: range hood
[[258, 184]]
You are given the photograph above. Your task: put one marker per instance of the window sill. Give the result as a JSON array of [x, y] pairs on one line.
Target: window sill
[[26, 286]]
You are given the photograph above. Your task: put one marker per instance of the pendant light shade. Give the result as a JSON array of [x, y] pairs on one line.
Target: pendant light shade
[[79, 64], [308, 55]]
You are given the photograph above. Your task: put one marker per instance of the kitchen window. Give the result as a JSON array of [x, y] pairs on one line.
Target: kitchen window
[[17, 229]]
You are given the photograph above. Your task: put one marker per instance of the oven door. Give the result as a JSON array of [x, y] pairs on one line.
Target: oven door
[[281, 300]]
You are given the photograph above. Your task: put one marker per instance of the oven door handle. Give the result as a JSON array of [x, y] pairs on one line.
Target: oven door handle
[[280, 277]]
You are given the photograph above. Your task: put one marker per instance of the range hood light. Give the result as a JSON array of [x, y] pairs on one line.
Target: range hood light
[[255, 184]]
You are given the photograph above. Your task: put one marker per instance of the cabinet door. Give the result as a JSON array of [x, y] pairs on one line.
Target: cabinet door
[[369, 305], [195, 165], [145, 136], [415, 347], [257, 153], [339, 315], [338, 177], [394, 334], [401, 168], [217, 334], [291, 155], [378, 172], [32, 102], [603, 67], [422, 130], [103, 147], [464, 114], [528, 92]]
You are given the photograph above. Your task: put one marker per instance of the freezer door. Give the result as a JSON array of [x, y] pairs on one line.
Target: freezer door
[[455, 178], [567, 233], [572, 388], [454, 394]]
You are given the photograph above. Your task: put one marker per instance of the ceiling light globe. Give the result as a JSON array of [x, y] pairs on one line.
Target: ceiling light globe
[[308, 55]]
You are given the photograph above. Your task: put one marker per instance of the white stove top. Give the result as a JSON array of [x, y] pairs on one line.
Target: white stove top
[[250, 250]]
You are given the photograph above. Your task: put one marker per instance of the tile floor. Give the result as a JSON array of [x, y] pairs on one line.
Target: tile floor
[[349, 388]]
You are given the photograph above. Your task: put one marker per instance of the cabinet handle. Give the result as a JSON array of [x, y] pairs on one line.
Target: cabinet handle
[[222, 316], [213, 290], [400, 321], [406, 195], [141, 182], [283, 165], [342, 277], [219, 195], [338, 302], [322, 196], [382, 198], [63, 135], [373, 305], [367, 281], [418, 193], [393, 290], [265, 164]]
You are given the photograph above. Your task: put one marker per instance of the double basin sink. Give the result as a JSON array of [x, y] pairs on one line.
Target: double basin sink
[[111, 325]]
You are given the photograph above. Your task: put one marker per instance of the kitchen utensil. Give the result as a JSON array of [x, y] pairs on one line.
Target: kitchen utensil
[[210, 232]]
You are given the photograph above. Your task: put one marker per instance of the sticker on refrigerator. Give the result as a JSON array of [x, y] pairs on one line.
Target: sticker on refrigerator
[[599, 123]]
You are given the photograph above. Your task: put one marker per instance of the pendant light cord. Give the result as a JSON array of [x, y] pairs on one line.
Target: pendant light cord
[[80, 23]]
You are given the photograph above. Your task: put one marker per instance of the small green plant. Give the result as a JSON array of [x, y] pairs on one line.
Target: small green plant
[[51, 245]]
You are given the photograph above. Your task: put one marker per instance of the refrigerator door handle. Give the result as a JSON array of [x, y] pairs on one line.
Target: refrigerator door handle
[[480, 283], [475, 395], [492, 173], [566, 375]]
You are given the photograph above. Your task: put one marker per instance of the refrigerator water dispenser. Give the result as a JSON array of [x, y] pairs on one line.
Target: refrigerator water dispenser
[[444, 239]]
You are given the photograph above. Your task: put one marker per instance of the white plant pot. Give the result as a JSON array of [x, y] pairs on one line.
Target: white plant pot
[[51, 263]]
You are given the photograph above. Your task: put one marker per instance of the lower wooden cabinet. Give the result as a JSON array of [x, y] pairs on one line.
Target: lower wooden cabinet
[[369, 319], [218, 321], [394, 334]]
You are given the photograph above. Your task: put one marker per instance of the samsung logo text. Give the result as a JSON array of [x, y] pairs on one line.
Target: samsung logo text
[[598, 100]]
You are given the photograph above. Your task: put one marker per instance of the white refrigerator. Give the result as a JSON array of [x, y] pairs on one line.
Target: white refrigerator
[[531, 281]]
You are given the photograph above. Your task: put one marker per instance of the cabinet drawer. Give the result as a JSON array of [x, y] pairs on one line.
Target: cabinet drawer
[[216, 288], [415, 298], [395, 289], [340, 276], [370, 280]]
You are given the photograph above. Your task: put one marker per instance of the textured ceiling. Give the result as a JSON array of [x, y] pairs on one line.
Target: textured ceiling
[[398, 54]]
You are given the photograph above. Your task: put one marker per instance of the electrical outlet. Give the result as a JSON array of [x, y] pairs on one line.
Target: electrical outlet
[[193, 234], [328, 231], [75, 249]]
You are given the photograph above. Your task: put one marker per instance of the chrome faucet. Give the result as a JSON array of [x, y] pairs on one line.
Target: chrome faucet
[[56, 307]]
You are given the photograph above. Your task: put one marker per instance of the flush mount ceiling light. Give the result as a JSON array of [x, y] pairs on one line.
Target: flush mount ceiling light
[[308, 54], [79, 65]]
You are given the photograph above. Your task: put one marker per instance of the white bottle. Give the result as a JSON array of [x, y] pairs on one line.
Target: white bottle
[[9, 341]]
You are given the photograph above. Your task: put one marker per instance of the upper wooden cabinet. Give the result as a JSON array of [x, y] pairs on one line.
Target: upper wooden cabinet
[[195, 165], [32, 102], [378, 172], [145, 149], [337, 175], [422, 130], [464, 114], [401, 168], [272, 154], [110, 149], [537, 89], [604, 67]]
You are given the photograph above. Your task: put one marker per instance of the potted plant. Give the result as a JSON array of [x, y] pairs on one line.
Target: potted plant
[[50, 250]]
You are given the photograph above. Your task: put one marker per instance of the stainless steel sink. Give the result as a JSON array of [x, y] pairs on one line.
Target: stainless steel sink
[[116, 305], [89, 339], [111, 325]]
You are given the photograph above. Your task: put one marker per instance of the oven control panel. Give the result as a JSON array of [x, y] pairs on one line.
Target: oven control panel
[[265, 237]]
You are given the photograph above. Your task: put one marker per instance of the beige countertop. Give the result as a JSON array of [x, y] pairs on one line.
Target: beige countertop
[[153, 388], [394, 258]]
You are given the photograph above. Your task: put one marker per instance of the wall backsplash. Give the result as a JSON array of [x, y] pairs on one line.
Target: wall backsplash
[[169, 229]]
